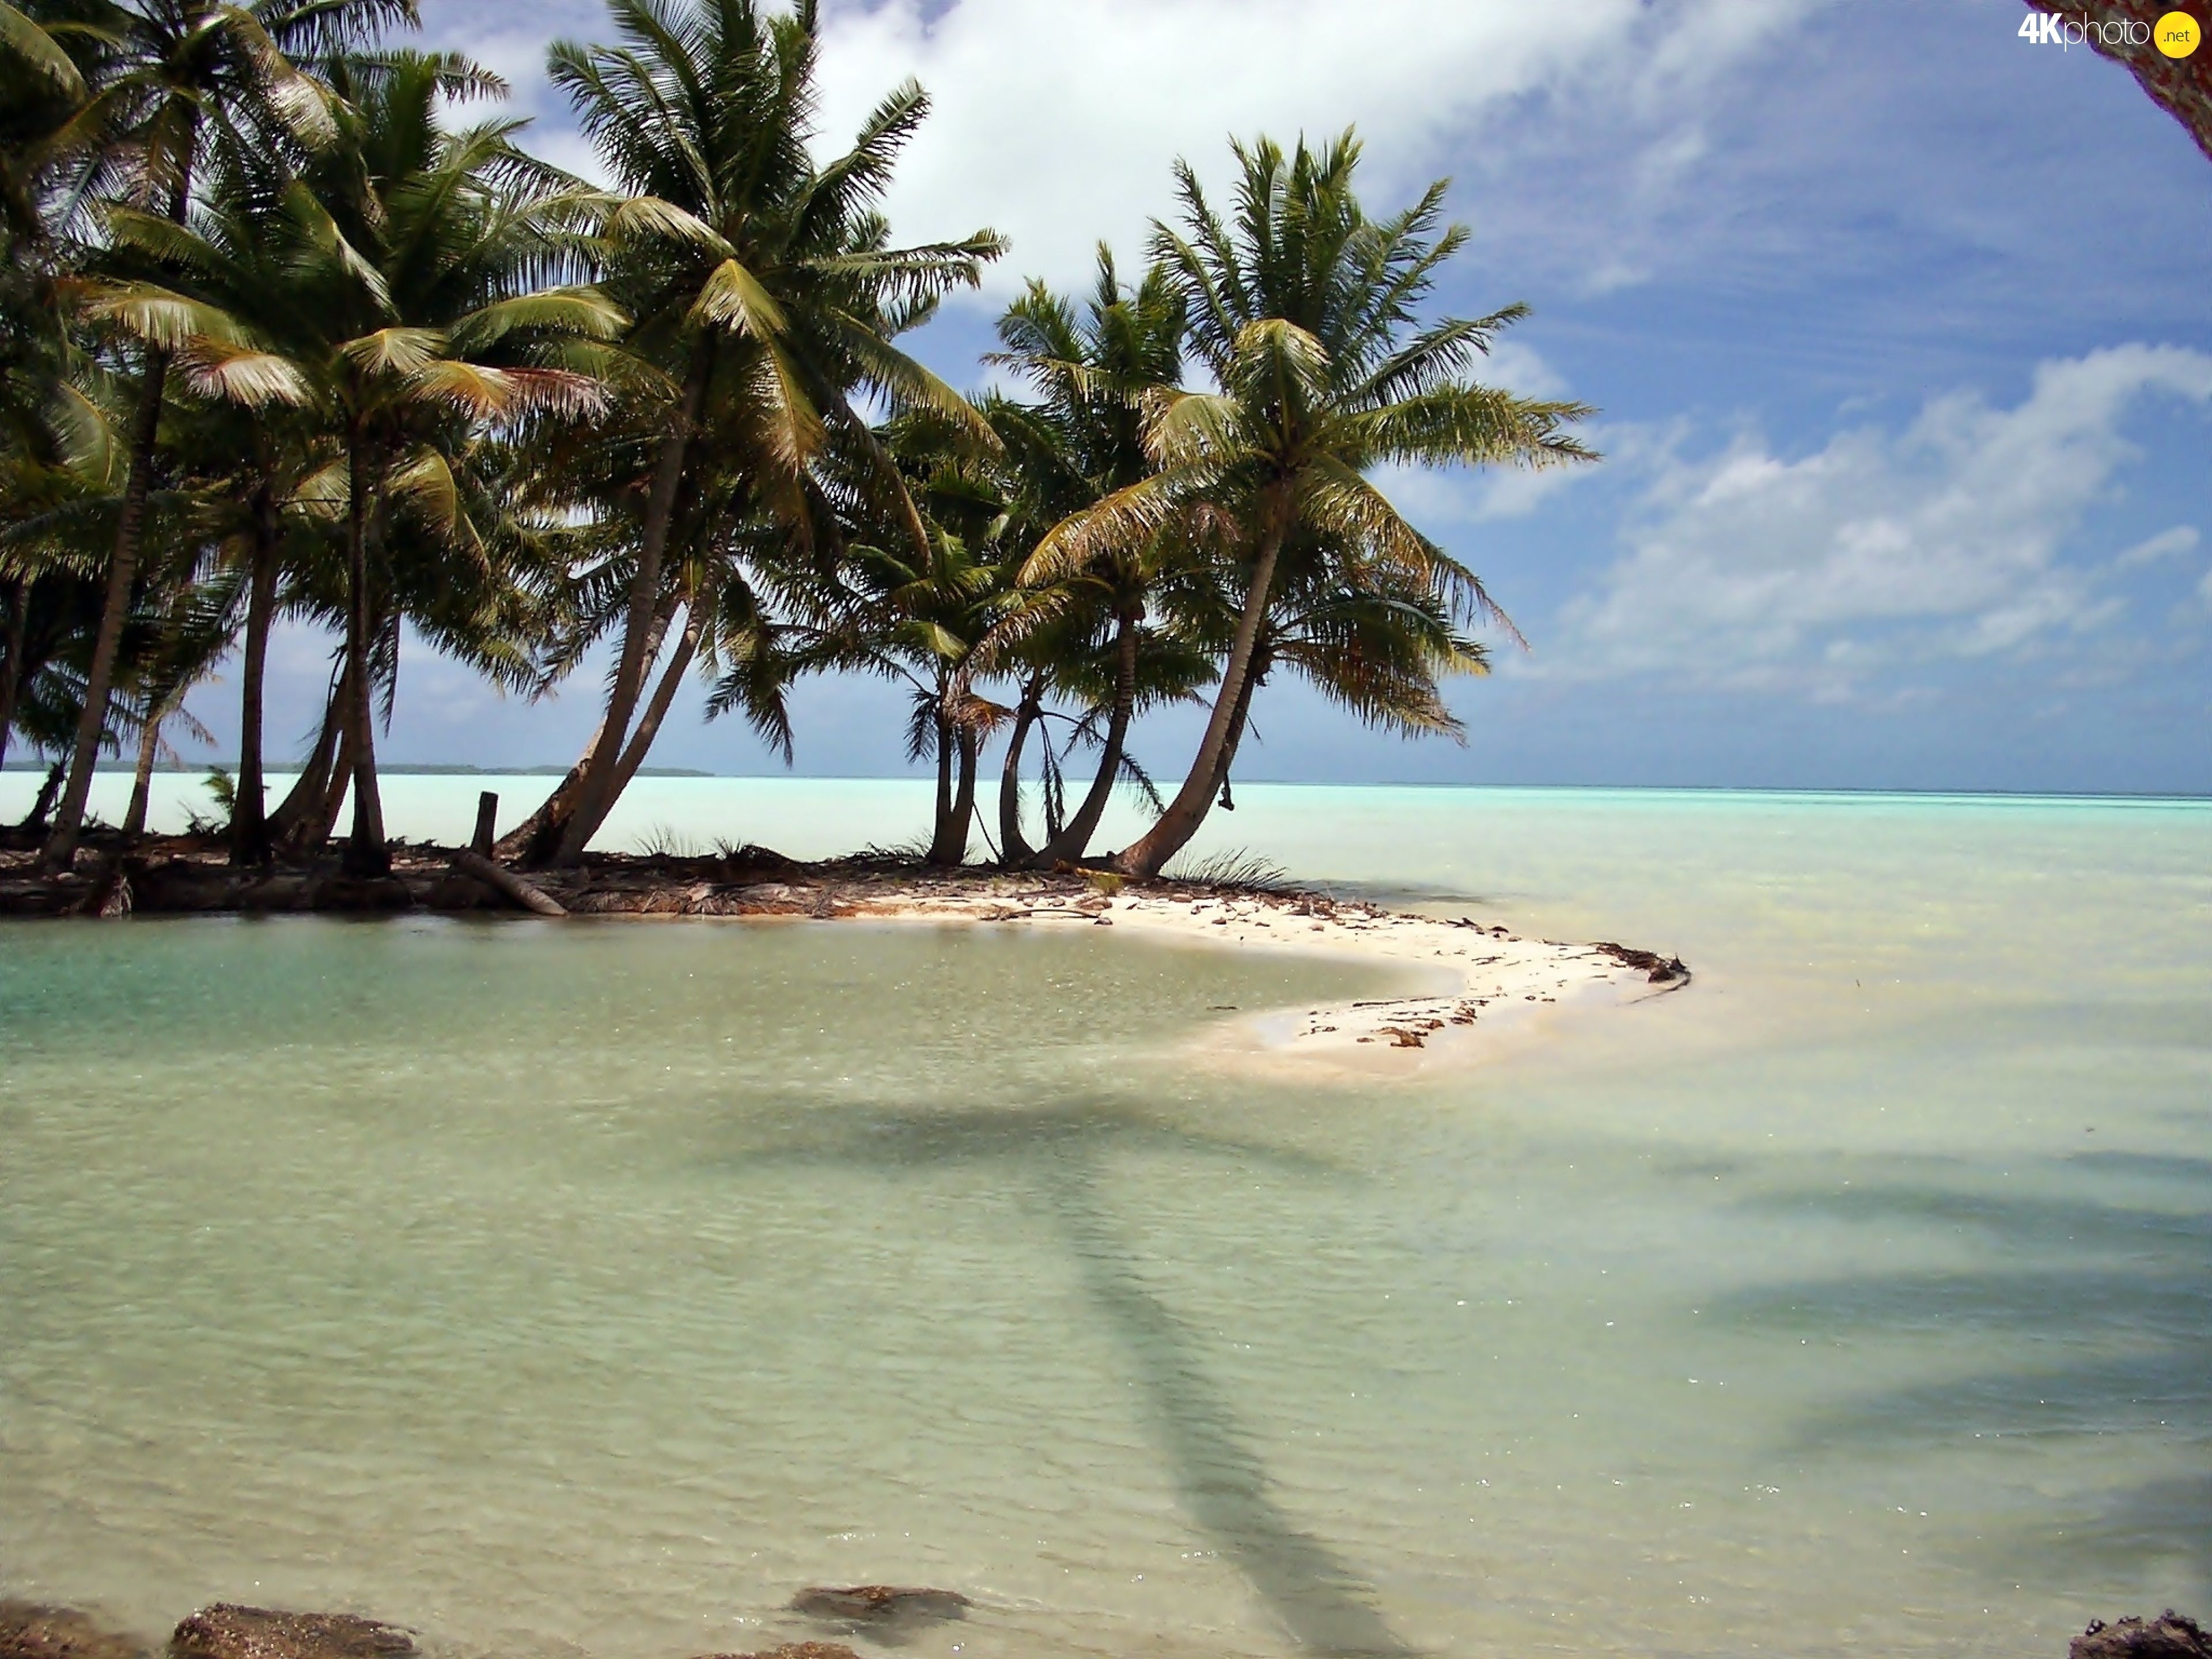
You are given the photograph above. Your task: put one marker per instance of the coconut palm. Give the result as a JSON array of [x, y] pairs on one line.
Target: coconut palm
[[923, 620], [259, 462], [165, 71], [1081, 442], [412, 319], [1306, 315], [750, 266]]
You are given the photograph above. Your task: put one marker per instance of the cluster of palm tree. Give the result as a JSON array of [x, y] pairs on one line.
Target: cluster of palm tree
[[286, 333]]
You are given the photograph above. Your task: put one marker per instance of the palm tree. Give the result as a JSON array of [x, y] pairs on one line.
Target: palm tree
[[919, 620], [259, 464], [1080, 443], [431, 324], [411, 318], [55, 448], [751, 270], [1306, 315], [165, 70]]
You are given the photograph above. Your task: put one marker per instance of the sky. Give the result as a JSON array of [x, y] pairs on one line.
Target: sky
[[1896, 323]]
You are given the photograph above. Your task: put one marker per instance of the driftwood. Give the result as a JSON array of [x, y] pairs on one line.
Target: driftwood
[[1656, 969], [504, 882]]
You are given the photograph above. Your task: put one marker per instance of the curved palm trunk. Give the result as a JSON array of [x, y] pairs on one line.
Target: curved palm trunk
[[596, 789], [316, 831], [1073, 841], [366, 854], [49, 791], [1013, 850], [142, 780], [115, 610], [1146, 854], [1238, 725], [963, 799], [11, 664], [303, 801], [941, 840], [656, 710], [535, 840], [249, 819]]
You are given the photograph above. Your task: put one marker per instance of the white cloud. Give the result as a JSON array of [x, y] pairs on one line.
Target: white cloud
[[1057, 120], [1943, 540], [2154, 549]]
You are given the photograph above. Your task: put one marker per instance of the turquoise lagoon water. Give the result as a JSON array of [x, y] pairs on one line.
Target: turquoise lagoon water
[[587, 1289]]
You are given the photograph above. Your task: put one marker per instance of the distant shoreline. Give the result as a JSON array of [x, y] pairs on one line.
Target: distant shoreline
[[1481, 973], [176, 768], [1799, 792]]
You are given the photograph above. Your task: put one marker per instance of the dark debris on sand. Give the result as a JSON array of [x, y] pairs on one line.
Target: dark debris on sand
[[2169, 1636], [31, 1630], [226, 1631]]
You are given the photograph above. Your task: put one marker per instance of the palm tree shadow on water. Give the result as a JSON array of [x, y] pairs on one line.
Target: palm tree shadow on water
[[2120, 1319], [1321, 1602]]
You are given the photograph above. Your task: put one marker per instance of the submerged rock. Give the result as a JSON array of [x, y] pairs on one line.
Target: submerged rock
[[879, 1603], [28, 1631], [2170, 1636], [228, 1631], [794, 1650]]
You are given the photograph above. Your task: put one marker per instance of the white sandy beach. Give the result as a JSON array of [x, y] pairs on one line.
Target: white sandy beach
[[1486, 987]]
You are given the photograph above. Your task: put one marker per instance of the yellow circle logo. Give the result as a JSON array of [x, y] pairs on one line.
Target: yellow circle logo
[[2179, 34]]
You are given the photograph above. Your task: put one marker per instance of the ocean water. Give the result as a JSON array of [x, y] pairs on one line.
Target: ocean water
[[587, 1289]]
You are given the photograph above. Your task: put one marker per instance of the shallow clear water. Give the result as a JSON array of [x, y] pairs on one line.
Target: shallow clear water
[[592, 1288]]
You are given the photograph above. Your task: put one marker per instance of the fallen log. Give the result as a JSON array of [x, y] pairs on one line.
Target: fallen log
[[508, 885]]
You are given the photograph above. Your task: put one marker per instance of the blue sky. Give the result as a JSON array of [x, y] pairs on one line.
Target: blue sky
[[1897, 322]]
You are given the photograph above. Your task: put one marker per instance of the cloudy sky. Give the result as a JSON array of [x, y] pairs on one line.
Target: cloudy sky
[[1897, 323]]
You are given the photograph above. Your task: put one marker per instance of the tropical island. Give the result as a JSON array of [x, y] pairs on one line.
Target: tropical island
[[296, 340], [968, 1278], [293, 336]]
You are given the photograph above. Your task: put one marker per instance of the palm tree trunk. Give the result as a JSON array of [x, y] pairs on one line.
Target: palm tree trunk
[[366, 854], [1074, 839], [534, 841], [48, 792], [1240, 724], [115, 610], [11, 666], [1013, 850], [964, 801], [249, 819], [595, 791], [941, 840], [656, 709], [1146, 854], [304, 799], [315, 831], [142, 781]]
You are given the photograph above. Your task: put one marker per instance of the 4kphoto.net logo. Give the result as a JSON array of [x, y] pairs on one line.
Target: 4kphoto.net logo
[[2177, 34]]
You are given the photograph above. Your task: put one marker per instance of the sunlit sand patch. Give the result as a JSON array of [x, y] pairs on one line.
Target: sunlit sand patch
[[1487, 989]]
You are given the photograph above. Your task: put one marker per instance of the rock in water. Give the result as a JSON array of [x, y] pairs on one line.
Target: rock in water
[[2170, 1636], [28, 1631], [879, 1603], [228, 1631], [794, 1650]]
